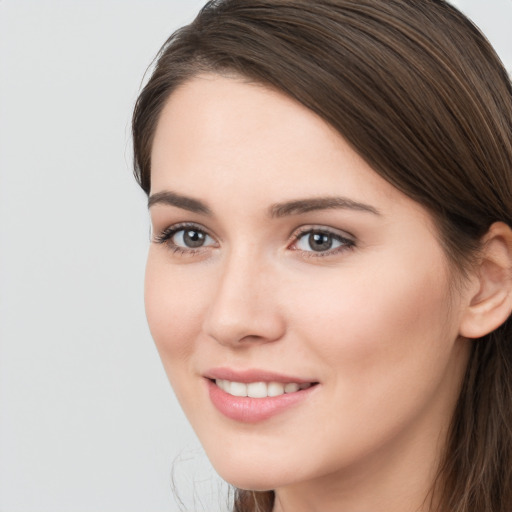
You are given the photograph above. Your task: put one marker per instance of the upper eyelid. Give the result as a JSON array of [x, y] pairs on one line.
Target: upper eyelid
[[178, 226], [320, 228]]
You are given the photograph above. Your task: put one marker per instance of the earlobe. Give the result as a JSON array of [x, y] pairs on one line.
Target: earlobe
[[491, 304]]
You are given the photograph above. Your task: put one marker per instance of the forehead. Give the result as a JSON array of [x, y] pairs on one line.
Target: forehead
[[224, 139]]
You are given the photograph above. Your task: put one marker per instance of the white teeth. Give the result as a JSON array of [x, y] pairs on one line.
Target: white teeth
[[260, 389], [275, 389], [257, 390], [237, 389], [225, 385], [291, 388]]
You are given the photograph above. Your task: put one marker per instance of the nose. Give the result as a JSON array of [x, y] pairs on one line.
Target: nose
[[244, 308]]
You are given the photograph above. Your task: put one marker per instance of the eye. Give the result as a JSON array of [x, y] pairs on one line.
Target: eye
[[321, 241], [190, 238], [185, 238]]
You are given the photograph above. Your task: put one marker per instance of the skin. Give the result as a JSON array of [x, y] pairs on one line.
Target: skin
[[373, 321]]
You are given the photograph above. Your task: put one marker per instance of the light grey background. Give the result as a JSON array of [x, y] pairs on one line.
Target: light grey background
[[87, 419]]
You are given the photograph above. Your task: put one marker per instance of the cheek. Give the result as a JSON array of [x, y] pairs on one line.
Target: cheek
[[376, 326], [174, 306], [384, 341]]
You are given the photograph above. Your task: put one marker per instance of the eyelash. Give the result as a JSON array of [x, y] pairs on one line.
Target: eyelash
[[346, 243], [165, 237]]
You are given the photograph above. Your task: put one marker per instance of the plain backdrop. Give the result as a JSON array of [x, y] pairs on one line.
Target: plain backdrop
[[88, 422]]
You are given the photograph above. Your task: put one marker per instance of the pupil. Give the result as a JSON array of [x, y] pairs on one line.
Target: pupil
[[320, 241], [193, 238]]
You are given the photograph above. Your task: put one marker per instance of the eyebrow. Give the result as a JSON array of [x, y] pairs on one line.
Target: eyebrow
[[278, 210], [172, 199], [301, 206]]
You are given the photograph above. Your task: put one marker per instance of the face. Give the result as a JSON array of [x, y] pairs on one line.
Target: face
[[301, 305]]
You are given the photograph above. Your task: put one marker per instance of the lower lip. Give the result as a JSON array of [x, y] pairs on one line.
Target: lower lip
[[251, 410]]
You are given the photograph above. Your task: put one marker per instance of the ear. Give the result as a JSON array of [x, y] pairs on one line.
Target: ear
[[490, 300]]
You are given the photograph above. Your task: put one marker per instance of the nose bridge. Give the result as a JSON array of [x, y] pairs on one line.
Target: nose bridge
[[243, 307]]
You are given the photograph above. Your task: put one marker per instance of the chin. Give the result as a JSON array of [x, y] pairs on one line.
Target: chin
[[251, 480], [251, 473]]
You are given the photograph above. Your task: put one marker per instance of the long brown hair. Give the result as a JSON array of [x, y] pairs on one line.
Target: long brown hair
[[420, 94]]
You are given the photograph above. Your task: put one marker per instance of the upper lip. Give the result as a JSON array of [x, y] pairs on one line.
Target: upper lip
[[253, 375]]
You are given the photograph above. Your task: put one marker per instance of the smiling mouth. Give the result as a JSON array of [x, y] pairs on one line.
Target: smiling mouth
[[260, 389]]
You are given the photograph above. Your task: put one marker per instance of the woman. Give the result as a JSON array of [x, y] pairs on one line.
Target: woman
[[330, 276]]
